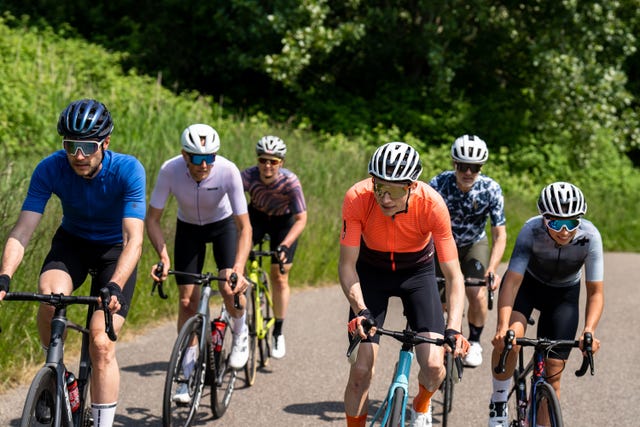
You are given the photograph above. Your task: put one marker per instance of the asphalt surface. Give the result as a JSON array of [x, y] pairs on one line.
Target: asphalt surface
[[306, 387]]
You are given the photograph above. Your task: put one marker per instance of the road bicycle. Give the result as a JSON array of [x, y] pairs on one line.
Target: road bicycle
[[211, 341], [470, 282], [391, 412], [541, 405], [260, 316], [48, 400]]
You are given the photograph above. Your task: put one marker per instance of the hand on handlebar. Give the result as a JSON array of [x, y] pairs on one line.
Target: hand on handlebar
[[5, 280], [456, 343], [116, 298], [362, 325]]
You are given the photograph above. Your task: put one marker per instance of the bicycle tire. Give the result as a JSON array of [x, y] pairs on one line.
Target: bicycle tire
[[39, 407], [83, 416], [517, 416], [224, 375], [183, 414], [397, 409], [251, 368], [264, 345], [548, 406], [447, 388]]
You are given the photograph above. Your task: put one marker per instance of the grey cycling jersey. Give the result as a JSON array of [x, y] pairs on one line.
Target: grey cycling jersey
[[469, 211], [214, 198], [536, 252]]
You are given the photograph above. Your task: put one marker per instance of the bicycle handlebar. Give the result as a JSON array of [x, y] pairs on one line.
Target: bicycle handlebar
[[474, 281], [61, 300], [158, 283], [274, 254], [545, 343], [200, 279]]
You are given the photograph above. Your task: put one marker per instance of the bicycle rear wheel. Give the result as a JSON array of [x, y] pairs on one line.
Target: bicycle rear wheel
[[224, 376], [397, 409], [182, 392], [264, 345], [447, 388], [251, 367], [39, 407], [548, 408]]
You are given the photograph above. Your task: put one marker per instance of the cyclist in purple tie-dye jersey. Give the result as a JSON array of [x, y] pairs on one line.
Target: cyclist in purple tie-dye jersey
[[277, 207]]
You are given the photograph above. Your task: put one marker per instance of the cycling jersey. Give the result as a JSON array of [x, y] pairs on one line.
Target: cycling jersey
[[404, 240], [281, 197], [469, 211], [92, 209], [216, 197], [538, 254]]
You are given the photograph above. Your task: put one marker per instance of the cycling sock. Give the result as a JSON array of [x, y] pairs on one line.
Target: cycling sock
[[358, 421], [423, 399], [239, 323], [475, 332], [277, 327], [103, 414], [189, 360], [500, 390]]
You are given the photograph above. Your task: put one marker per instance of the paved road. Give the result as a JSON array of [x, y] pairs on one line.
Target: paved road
[[306, 388]]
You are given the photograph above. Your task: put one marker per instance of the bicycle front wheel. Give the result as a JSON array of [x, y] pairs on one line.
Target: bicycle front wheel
[[251, 368], [397, 409], [185, 376], [40, 407], [447, 388], [225, 376], [548, 408]]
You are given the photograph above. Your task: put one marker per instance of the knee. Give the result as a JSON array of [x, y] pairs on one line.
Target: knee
[[359, 379], [102, 350]]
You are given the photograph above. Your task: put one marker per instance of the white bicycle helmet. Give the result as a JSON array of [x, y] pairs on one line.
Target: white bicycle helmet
[[396, 162], [469, 149], [562, 200], [191, 136], [271, 145]]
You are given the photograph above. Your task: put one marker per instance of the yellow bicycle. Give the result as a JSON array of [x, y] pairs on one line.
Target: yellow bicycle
[[260, 318]]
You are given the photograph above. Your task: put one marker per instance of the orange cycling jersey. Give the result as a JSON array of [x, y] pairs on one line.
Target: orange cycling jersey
[[404, 240]]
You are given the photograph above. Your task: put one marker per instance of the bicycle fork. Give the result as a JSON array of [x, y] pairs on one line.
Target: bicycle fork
[[400, 380]]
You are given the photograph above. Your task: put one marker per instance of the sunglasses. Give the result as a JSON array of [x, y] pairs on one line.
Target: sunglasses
[[274, 162], [394, 191], [462, 167], [197, 159], [87, 148], [558, 224]]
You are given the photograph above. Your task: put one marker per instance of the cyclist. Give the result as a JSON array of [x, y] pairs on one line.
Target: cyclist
[[102, 194], [277, 207], [211, 209], [391, 223], [472, 198], [544, 273]]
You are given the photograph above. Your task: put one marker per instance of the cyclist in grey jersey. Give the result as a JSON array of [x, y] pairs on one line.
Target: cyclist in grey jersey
[[472, 198], [212, 208], [545, 273]]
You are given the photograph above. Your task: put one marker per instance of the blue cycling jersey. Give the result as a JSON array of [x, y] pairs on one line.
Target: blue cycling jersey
[[92, 209]]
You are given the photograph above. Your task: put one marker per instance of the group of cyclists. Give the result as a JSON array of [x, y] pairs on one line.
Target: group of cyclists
[[103, 198], [399, 233]]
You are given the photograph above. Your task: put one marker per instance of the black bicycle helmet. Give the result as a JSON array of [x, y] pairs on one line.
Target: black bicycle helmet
[[85, 119]]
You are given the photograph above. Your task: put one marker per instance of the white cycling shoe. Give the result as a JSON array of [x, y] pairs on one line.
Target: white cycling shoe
[[421, 419], [240, 350], [279, 349]]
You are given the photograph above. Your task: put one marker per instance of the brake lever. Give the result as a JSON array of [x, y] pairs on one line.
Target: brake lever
[[158, 283]]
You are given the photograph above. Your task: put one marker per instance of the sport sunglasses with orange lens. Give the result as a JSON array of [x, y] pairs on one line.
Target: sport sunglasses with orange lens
[[264, 161], [87, 148], [394, 191]]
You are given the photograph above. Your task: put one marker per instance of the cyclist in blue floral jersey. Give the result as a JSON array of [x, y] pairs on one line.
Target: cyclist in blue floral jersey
[[472, 198]]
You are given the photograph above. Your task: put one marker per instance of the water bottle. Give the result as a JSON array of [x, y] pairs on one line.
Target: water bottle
[[74, 393], [217, 333]]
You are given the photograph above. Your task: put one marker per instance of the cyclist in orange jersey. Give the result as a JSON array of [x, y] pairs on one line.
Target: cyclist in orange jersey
[[391, 224]]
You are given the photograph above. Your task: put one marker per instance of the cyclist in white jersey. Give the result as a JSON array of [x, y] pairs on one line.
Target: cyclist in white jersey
[[544, 273], [212, 208]]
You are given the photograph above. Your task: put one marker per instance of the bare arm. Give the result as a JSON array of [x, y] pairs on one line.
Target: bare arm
[[498, 245], [132, 237], [154, 231], [455, 293], [244, 242], [296, 230], [349, 279], [18, 240], [593, 309], [506, 298]]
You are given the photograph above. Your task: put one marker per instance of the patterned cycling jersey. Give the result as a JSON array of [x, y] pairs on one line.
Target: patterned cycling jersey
[[537, 253], [92, 209], [469, 211], [284, 196], [214, 198], [404, 240]]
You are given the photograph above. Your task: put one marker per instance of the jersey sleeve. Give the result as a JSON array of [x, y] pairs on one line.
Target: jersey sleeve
[[351, 232], [235, 192], [496, 215], [298, 204], [522, 250], [440, 224], [594, 264], [40, 190], [135, 192], [162, 189]]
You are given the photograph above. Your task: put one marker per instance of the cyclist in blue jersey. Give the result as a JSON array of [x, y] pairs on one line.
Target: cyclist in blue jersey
[[103, 204], [544, 273], [472, 198], [277, 208], [212, 208]]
